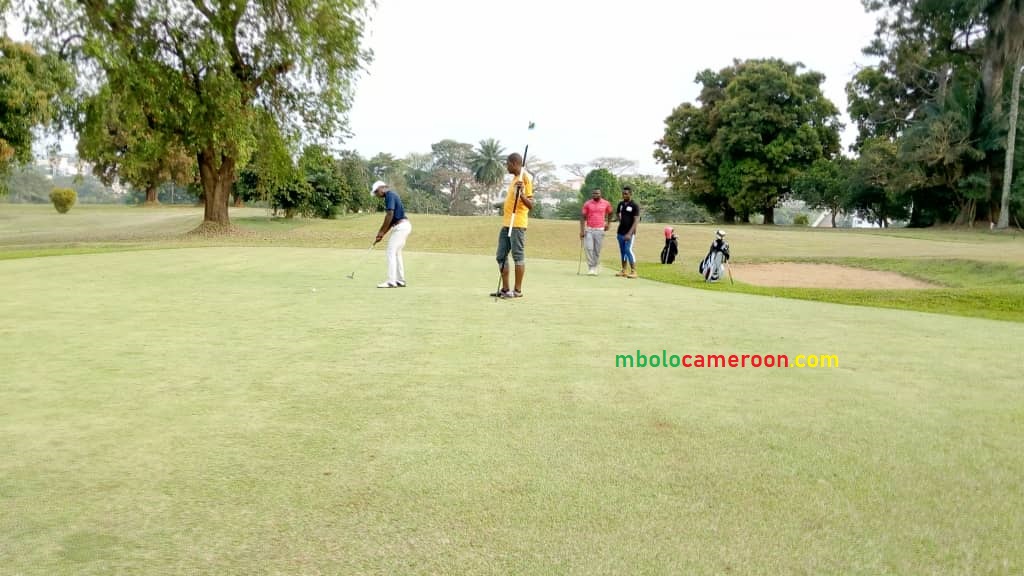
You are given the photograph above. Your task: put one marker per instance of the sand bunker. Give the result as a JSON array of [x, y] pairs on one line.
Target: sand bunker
[[799, 275]]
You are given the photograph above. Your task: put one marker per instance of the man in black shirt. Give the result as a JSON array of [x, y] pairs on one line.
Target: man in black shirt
[[628, 216]]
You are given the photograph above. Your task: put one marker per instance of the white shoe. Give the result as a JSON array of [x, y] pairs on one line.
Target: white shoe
[[400, 284], [387, 285], [592, 272]]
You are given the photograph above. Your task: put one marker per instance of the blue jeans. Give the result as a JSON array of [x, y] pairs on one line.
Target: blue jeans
[[626, 249]]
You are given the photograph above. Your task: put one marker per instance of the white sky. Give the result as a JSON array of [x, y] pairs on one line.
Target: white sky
[[598, 79]]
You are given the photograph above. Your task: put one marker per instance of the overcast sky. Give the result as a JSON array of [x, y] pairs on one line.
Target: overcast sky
[[597, 78]]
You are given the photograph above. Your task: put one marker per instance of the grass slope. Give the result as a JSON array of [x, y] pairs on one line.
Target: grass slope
[[982, 274]]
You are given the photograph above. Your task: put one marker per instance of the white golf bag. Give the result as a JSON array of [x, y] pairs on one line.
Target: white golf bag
[[711, 267]]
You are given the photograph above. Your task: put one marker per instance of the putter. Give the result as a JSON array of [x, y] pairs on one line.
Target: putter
[[729, 268], [363, 259]]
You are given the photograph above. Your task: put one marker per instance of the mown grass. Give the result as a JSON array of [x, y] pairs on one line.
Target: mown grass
[[981, 273], [249, 410]]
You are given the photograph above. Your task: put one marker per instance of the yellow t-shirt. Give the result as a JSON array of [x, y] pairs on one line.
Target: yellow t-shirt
[[522, 212]]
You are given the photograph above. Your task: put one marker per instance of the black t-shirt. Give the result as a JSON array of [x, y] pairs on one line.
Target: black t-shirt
[[628, 212]]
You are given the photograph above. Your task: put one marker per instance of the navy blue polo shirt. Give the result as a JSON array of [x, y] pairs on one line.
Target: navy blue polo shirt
[[393, 202]]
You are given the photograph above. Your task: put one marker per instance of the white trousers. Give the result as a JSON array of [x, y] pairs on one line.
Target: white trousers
[[396, 242]]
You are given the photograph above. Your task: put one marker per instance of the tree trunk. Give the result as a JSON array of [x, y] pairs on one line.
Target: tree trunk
[[729, 214], [151, 197], [216, 172], [1011, 137], [833, 218], [993, 70], [769, 214], [965, 213]]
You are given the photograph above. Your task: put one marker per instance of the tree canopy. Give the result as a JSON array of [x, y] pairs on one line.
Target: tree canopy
[[32, 89], [201, 70], [759, 124], [939, 91]]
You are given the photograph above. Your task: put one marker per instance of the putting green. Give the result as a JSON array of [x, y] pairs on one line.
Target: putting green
[[204, 410]]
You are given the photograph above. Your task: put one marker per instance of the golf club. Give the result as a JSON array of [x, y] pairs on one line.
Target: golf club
[[580, 265], [360, 262], [729, 268], [515, 205]]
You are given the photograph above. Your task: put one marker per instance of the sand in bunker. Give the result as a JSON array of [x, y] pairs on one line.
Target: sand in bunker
[[797, 275]]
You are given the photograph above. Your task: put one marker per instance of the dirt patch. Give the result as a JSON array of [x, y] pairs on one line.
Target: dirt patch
[[798, 275], [215, 230]]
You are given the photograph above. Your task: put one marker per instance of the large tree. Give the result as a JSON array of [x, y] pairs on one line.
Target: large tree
[[353, 173], [116, 135], [602, 180], [452, 174], [202, 69], [925, 49], [775, 122], [685, 150], [760, 123], [270, 168], [877, 183], [418, 177], [825, 185], [31, 88]]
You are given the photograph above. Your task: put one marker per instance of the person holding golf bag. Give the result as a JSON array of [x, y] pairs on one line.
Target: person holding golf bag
[[594, 218], [399, 226], [515, 217]]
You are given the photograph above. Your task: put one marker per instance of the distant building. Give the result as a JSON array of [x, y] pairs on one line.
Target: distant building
[[69, 166], [63, 165]]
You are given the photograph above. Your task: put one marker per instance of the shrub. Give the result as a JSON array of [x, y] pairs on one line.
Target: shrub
[[800, 220], [63, 199]]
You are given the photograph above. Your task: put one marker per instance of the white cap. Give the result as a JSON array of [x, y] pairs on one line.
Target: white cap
[[376, 185], [720, 233]]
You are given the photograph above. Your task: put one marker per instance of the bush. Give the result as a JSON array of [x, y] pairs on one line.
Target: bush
[[800, 220], [63, 199]]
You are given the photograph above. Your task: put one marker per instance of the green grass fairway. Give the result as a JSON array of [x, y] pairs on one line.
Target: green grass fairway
[[977, 273], [204, 411]]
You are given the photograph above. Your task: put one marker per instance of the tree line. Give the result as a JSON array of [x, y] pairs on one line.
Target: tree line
[[248, 100], [936, 118]]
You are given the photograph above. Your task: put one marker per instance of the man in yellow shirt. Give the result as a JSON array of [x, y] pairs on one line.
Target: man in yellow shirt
[[516, 214]]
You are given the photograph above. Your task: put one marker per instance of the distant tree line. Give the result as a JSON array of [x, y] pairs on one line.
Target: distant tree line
[[936, 118], [247, 101]]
